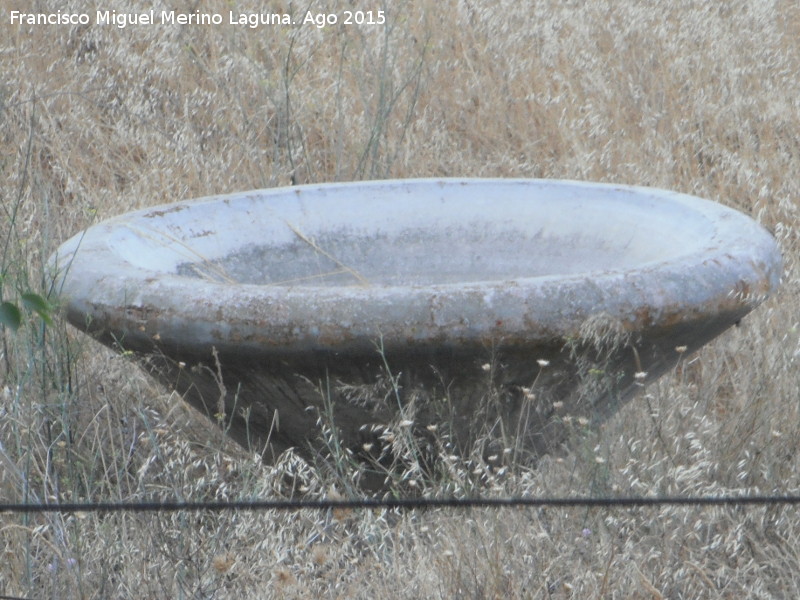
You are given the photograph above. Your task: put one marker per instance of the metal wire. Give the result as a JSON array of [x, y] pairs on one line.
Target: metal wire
[[397, 503], [403, 504]]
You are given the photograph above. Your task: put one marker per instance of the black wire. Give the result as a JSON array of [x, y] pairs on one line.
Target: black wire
[[401, 504], [397, 503]]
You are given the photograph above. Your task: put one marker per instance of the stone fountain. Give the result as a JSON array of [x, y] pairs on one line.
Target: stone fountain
[[348, 313]]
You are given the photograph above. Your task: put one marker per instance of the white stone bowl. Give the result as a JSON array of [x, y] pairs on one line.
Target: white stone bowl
[[454, 287]]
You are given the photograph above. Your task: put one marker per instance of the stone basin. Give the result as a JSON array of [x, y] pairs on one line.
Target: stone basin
[[345, 314]]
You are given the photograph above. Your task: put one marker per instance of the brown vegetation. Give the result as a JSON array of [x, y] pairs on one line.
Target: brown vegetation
[[700, 97]]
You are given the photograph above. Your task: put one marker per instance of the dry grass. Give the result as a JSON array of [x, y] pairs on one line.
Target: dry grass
[[696, 96]]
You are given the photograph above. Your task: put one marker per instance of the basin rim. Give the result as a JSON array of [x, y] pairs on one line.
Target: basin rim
[[735, 270]]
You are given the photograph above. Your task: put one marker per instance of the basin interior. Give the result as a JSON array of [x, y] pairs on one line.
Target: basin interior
[[406, 236]]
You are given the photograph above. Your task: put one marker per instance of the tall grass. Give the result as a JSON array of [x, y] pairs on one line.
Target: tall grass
[[695, 96]]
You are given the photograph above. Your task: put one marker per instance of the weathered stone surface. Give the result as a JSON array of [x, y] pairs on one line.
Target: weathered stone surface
[[358, 306]]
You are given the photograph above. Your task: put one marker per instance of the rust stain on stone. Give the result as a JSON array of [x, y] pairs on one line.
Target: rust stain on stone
[[160, 213]]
